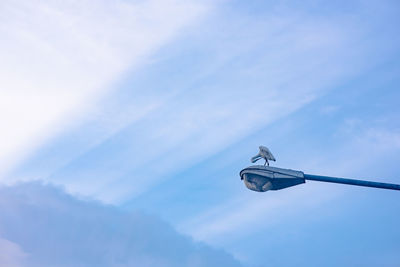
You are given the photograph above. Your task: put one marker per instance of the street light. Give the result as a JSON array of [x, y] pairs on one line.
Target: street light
[[263, 178]]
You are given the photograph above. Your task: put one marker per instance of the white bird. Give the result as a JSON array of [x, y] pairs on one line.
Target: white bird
[[263, 154]]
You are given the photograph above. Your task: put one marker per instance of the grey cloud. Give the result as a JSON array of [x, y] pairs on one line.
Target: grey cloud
[[51, 228]]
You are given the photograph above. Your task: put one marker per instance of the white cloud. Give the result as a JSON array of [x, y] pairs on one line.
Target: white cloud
[[55, 229], [380, 139], [59, 57], [329, 110], [11, 254]]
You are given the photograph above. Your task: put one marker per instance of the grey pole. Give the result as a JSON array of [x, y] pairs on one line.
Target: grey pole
[[350, 181]]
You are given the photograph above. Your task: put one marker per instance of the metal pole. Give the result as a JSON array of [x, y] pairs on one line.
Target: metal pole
[[351, 181]]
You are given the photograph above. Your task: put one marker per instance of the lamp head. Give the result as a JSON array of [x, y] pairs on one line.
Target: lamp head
[[264, 178]]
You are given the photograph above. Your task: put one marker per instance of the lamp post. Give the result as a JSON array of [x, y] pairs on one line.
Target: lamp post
[[262, 178]]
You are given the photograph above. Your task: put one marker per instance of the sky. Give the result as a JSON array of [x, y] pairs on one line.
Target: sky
[[125, 125]]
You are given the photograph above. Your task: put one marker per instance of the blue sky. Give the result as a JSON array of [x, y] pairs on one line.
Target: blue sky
[[142, 113]]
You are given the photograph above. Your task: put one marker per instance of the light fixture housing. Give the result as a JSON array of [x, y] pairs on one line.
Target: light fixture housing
[[263, 178]]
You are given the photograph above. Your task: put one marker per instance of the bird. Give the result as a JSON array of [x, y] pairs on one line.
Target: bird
[[263, 154]]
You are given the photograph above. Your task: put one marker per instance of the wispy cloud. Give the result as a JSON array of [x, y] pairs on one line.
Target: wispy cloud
[[233, 86], [58, 58], [253, 212]]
